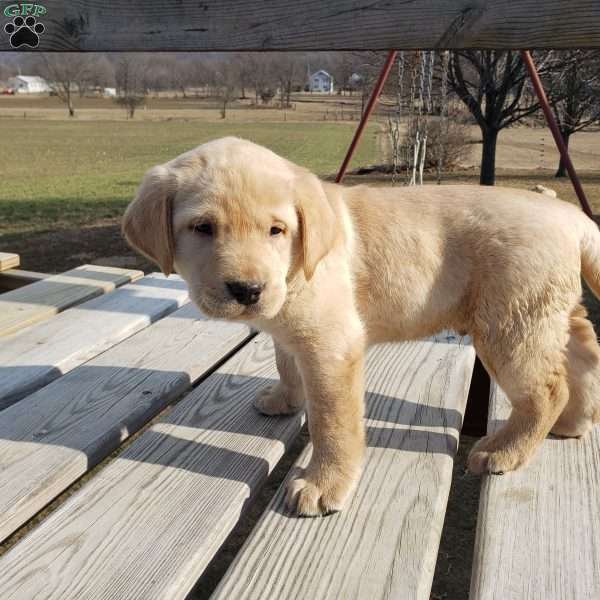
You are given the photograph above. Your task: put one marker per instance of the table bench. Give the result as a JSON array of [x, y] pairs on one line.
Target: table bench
[[152, 404]]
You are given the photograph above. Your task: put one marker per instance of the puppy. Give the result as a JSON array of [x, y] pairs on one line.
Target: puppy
[[328, 270]]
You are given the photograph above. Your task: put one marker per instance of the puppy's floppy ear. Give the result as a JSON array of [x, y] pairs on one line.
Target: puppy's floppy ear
[[318, 223], [148, 220]]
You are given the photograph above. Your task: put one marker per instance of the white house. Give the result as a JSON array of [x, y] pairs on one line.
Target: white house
[[29, 84], [321, 81], [109, 92]]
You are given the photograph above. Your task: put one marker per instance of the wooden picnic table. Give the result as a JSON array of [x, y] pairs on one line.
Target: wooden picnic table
[[140, 359]]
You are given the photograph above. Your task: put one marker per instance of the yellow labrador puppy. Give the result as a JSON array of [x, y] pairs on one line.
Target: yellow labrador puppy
[[328, 270]]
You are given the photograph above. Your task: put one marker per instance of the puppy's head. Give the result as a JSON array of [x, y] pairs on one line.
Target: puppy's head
[[236, 221]]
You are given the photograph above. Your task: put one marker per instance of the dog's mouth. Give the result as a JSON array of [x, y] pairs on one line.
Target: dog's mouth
[[233, 311], [218, 305], [225, 308]]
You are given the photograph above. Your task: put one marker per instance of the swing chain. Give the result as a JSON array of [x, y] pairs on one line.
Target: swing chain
[[395, 123], [443, 121]]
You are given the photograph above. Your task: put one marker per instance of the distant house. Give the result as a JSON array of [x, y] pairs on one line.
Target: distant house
[[109, 92], [321, 81], [29, 84]]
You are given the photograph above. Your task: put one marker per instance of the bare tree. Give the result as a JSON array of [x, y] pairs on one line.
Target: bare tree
[[131, 76], [343, 65], [84, 78], [65, 72], [367, 66], [102, 73], [243, 68], [226, 83], [287, 68], [574, 80], [179, 73], [261, 77], [201, 74], [491, 84]]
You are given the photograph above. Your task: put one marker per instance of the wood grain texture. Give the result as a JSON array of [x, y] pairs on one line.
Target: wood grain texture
[[13, 279], [8, 261], [384, 545], [147, 524], [95, 25], [538, 529], [40, 301], [42, 353], [54, 436]]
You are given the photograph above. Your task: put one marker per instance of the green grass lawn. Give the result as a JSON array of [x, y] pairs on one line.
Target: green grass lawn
[[58, 174]]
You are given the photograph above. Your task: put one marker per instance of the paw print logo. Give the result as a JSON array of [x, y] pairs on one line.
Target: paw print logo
[[24, 32]]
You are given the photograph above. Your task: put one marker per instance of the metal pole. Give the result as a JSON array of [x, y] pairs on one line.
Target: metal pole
[[385, 71], [560, 144]]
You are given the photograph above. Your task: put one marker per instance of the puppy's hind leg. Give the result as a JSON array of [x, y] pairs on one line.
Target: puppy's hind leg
[[535, 381], [287, 395], [583, 373]]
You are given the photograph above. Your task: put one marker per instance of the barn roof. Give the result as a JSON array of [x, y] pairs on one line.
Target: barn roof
[[30, 78]]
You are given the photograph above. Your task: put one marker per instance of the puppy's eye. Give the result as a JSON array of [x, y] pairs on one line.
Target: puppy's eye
[[276, 230], [204, 228]]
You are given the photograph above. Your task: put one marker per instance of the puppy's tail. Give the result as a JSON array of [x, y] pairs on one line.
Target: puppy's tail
[[590, 256]]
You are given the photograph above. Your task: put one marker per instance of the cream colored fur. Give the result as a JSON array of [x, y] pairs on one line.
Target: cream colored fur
[[358, 266]]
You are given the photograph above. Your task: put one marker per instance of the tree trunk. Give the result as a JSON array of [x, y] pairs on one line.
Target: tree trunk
[[70, 104], [488, 157], [562, 167]]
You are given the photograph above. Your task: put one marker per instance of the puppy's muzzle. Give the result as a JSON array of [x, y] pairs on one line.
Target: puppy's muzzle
[[245, 292]]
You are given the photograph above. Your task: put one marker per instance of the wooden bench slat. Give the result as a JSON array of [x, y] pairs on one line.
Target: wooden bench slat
[[385, 544], [149, 523], [8, 261], [39, 301], [39, 354], [538, 529], [217, 26], [49, 439]]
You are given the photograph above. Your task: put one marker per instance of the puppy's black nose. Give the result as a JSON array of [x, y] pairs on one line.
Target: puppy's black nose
[[245, 292]]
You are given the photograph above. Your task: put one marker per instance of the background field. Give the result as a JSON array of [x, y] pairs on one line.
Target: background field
[[62, 173], [65, 184]]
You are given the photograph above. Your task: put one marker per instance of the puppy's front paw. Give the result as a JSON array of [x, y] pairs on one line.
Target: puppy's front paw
[[277, 399], [489, 456], [308, 498]]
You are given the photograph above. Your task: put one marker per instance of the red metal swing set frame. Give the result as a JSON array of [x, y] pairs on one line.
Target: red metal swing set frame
[[539, 90]]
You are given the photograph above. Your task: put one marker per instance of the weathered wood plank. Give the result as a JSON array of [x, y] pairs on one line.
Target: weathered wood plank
[[145, 523], [538, 529], [385, 544], [13, 279], [54, 436], [8, 261], [39, 301], [94, 25], [39, 354], [148, 525]]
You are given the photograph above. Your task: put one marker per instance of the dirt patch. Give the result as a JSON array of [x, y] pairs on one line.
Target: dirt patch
[[64, 249]]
